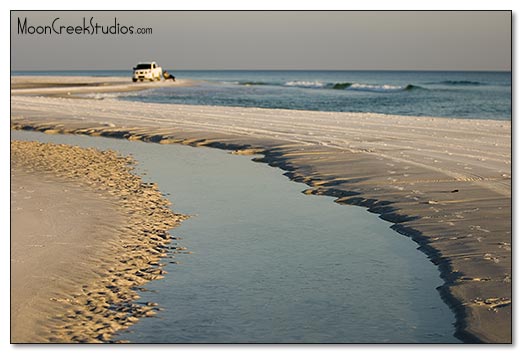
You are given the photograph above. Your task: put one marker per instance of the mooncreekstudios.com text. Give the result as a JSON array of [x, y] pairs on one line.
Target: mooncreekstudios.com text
[[87, 27]]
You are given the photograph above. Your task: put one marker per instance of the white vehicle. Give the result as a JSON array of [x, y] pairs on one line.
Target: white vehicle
[[147, 71]]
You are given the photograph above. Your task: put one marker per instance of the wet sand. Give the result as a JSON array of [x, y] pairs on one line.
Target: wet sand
[[85, 233], [446, 183]]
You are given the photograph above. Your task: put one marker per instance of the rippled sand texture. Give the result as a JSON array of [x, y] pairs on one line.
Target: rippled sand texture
[[85, 234], [444, 182]]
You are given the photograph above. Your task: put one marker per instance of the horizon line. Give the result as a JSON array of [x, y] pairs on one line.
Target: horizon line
[[403, 70]]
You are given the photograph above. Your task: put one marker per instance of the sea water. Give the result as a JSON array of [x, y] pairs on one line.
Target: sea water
[[455, 94], [272, 265]]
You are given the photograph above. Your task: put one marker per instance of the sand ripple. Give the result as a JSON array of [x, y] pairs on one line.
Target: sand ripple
[[105, 302]]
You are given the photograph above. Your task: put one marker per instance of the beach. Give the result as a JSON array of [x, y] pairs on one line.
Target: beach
[[86, 233], [446, 183], [58, 85]]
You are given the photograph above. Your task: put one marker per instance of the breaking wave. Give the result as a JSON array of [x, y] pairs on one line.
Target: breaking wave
[[305, 84], [333, 85], [374, 88]]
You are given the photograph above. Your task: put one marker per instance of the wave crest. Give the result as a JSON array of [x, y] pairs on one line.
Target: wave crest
[[375, 88], [305, 84], [378, 88], [341, 85], [355, 86]]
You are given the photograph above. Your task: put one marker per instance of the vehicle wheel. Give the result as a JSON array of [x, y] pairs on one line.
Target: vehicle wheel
[[134, 80]]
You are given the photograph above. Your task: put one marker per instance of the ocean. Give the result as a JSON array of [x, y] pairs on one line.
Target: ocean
[[454, 94]]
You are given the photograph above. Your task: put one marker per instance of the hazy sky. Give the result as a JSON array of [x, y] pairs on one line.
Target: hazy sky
[[269, 40]]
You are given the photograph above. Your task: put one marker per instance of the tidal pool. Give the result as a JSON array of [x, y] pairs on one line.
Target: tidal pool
[[272, 265]]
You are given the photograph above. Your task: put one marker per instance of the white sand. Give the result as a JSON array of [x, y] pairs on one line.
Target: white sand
[[460, 149]]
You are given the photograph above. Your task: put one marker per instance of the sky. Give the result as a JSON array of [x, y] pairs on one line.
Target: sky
[[268, 40]]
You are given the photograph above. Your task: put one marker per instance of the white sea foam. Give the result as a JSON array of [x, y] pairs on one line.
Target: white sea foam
[[315, 84], [378, 88]]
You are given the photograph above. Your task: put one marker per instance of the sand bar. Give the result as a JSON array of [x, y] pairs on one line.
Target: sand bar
[[85, 233], [75, 85], [444, 182]]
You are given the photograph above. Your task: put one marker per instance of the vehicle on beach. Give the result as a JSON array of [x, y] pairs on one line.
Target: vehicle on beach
[[147, 71]]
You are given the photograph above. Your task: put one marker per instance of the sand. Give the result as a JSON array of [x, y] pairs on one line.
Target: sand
[[444, 182], [85, 233], [76, 85], [57, 227]]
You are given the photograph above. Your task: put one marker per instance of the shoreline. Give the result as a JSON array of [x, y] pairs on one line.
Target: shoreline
[[77, 85], [87, 210], [457, 212]]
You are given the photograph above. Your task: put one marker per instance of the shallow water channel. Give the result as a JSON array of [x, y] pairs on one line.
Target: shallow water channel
[[272, 265]]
